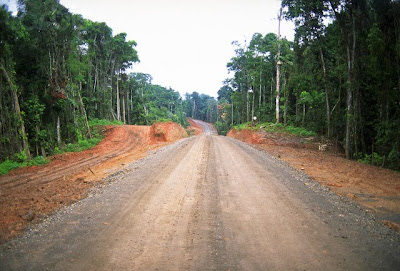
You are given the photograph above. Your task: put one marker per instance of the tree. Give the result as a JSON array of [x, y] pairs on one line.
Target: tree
[[122, 57], [201, 106], [8, 36], [278, 63]]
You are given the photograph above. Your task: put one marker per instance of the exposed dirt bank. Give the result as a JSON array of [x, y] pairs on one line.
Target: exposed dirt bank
[[194, 128], [376, 188], [29, 194]]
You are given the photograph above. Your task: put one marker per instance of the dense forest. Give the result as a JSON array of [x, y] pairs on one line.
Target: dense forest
[[59, 71], [340, 77]]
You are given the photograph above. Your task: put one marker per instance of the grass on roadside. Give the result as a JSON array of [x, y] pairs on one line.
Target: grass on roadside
[[101, 122], [272, 127], [8, 164]]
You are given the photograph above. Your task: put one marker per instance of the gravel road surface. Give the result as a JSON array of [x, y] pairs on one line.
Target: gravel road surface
[[207, 203]]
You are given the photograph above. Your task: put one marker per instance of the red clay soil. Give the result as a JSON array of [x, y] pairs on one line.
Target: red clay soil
[[194, 128], [30, 193], [167, 132], [376, 188]]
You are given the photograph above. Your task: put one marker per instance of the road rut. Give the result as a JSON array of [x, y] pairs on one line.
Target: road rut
[[207, 203]]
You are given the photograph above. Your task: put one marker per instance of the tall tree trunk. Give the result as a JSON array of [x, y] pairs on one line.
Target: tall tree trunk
[[232, 115], [247, 105], [42, 150], [83, 111], [272, 92], [259, 97], [194, 109], [286, 101], [128, 107], [58, 129], [348, 107], [14, 95], [131, 105], [328, 110], [350, 64], [118, 101], [252, 108], [297, 105], [278, 63], [350, 41], [95, 90], [123, 109]]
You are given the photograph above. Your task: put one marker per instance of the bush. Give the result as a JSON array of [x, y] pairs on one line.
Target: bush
[[394, 158], [299, 131], [371, 159], [20, 157], [162, 120], [38, 160], [222, 127], [279, 127], [8, 165], [246, 125], [102, 122], [83, 144]]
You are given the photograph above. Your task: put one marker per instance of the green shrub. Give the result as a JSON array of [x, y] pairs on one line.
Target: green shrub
[[102, 122], [394, 158], [82, 144], [222, 127], [38, 160], [279, 127], [371, 159], [162, 120], [8, 165], [299, 131], [20, 157], [246, 125]]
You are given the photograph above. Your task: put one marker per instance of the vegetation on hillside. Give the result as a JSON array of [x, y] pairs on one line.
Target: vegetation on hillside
[[276, 127]]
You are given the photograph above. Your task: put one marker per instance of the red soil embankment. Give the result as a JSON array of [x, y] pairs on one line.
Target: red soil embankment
[[194, 128], [167, 132], [247, 136], [31, 193]]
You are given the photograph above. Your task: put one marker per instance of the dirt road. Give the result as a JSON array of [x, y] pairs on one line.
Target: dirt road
[[207, 203], [206, 128]]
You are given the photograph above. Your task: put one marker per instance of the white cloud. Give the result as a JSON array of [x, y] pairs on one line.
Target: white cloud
[[11, 4]]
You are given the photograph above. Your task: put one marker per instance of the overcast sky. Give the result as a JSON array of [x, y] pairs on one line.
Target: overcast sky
[[184, 45]]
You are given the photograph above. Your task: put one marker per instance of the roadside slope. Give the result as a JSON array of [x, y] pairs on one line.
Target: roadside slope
[[376, 188], [29, 194]]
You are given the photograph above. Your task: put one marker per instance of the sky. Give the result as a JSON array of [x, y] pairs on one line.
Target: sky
[[182, 44]]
